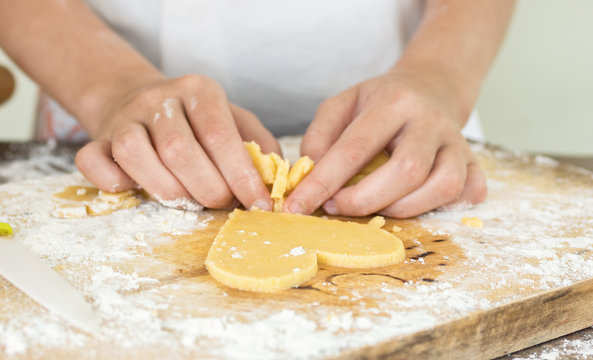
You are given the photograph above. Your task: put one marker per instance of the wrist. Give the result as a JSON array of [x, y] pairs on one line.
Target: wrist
[[451, 84]]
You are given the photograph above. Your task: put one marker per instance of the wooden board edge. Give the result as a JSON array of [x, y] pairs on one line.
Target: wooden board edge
[[496, 332]]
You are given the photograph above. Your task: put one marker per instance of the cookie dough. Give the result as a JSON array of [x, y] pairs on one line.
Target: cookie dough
[[278, 173], [473, 222], [81, 201], [376, 163], [268, 252], [272, 251]]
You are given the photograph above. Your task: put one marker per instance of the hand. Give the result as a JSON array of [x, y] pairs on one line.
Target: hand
[[181, 140], [413, 115]]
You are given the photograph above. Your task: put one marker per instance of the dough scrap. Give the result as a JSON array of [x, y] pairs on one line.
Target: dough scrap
[[278, 173], [80, 201], [278, 193], [268, 252], [301, 168], [473, 222], [262, 162], [377, 221]]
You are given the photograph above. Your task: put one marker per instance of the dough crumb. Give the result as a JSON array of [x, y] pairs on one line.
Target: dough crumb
[[377, 221], [473, 222], [396, 229]]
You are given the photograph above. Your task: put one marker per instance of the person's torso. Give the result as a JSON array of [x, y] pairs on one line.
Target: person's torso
[[279, 59]]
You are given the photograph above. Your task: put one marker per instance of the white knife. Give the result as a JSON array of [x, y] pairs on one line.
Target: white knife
[[27, 272]]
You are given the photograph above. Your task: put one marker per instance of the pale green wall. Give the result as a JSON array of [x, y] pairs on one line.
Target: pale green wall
[[539, 94]]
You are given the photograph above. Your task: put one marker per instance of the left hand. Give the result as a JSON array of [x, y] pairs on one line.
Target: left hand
[[417, 117]]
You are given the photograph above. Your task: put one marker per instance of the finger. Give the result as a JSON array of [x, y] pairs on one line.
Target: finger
[[361, 140], [251, 129], [180, 152], [444, 185], [215, 129], [133, 151], [475, 189], [333, 116], [405, 172], [96, 163]]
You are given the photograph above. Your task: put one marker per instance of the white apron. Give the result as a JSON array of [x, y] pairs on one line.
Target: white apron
[[277, 58]]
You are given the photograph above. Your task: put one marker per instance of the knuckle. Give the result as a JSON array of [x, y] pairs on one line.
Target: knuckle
[[396, 95], [174, 150], [450, 185], [412, 170], [125, 143], [198, 83], [215, 137], [218, 197], [242, 181], [150, 96], [357, 205]]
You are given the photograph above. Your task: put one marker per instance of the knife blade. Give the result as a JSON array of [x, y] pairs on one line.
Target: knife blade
[[32, 276]]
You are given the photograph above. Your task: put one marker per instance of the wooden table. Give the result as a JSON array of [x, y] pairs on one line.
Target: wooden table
[[9, 152], [567, 346]]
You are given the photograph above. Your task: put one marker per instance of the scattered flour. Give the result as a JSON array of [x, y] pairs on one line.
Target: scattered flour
[[168, 107], [575, 346], [524, 242], [297, 251]]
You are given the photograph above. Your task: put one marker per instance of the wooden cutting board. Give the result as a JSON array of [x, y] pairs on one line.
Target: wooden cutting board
[[524, 278]]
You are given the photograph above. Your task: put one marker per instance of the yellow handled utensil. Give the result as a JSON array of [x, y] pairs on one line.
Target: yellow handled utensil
[[5, 229]]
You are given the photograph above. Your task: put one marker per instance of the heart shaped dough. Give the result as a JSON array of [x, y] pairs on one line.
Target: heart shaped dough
[[270, 251]]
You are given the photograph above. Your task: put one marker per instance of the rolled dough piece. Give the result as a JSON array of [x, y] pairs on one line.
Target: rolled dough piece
[[272, 251]]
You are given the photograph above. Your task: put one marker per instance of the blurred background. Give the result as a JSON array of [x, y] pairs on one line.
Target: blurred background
[[538, 96]]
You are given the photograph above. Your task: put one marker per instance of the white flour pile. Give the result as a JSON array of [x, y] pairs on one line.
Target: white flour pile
[[523, 244]]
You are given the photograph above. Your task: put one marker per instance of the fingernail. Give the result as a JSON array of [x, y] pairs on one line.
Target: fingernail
[[294, 208], [262, 204], [330, 207]]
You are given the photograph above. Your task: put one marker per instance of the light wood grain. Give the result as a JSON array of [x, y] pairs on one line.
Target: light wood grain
[[518, 312], [500, 331]]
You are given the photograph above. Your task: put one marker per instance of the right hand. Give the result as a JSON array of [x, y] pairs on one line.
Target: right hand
[[182, 141]]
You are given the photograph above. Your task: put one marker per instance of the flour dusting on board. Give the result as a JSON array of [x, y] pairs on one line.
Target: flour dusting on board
[[536, 235], [571, 347]]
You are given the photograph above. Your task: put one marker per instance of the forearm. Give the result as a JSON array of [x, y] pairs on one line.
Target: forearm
[[73, 55], [459, 40]]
